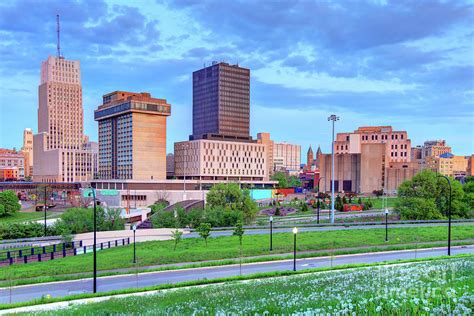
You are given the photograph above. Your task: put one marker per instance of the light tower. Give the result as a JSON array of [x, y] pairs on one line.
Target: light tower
[[332, 118]]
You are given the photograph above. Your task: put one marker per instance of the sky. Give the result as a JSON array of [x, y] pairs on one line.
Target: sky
[[409, 64]]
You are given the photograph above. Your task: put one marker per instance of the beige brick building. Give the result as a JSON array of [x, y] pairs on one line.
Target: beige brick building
[[132, 136], [220, 160], [59, 147], [27, 151], [280, 156], [448, 164], [397, 144]]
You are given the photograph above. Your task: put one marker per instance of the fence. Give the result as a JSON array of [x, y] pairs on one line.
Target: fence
[[45, 253]]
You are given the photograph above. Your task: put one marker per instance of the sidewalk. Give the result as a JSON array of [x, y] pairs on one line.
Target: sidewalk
[[141, 235]]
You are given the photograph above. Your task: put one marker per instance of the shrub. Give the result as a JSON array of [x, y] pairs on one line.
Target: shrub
[[417, 209], [22, 230], [81, 220]]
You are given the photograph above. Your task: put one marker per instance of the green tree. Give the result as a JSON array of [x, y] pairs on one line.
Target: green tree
[[427, 186], [281, 178], [204, 230], [229, 197], [338, 204], [359, 201], [9, 201], [294, 182], [176, 235], [239, 232]]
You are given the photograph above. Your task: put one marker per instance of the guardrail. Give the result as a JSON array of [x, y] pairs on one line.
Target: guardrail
[[41, 254], [289, 225]]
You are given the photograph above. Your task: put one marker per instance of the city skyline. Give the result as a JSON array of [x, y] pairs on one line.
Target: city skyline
[[406, 80]]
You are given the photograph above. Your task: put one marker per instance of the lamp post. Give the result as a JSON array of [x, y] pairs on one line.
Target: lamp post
[[319, 180], [44, 208], [386, 224], [134, 228], [449, 213], [95, 240], [271, 233], [295, 231], [332, 118]]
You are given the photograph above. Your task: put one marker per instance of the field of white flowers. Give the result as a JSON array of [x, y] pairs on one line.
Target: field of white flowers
[[441, 287]]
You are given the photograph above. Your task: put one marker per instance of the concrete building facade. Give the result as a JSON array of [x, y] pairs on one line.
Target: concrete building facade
[[220, 160], [12, 165], [27, 151], [289, 155], [448, 164], [264, 138], [435, 148], [132, 136], [59, 154], [397, 144], [365, 172]]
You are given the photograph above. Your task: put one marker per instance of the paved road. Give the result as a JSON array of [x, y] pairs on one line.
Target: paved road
[[259, 231], [58, 289]]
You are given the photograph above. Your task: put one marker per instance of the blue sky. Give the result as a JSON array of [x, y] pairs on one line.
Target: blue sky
[[409, 64]]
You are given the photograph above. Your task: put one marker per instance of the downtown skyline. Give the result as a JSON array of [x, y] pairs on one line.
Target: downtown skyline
[[407, 77]]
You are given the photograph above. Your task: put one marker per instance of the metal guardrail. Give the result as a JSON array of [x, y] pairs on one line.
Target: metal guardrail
[[26, 256], [276, 225]]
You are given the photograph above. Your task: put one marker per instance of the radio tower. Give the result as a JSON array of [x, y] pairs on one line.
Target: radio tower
[[58, 30]]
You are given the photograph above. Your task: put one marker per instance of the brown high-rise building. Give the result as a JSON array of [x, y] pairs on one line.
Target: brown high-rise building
[[309, 158], [132, 136], [59, 153], [221, 102]]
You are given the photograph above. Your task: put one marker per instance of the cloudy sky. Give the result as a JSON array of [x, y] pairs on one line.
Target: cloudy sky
[[409, 64]]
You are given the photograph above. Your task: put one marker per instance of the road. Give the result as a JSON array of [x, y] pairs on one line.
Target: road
[[105, 284], [259, 231]]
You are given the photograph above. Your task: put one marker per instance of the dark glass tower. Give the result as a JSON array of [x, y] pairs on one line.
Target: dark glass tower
[[221, 102]]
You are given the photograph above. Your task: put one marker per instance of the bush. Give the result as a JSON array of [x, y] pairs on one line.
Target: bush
[[9, 203], [418, 209], [81, 220], [163, 219], [22, 230]]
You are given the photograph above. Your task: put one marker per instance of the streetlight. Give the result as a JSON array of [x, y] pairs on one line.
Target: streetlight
[[134, 228], [271, 233], [295, 231], [319, 180], [332, 118], [95, 239], [449, 213], [185, 165], [44, 208], [386, 224]]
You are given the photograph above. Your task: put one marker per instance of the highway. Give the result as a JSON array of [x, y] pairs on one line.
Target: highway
[[105, 284]]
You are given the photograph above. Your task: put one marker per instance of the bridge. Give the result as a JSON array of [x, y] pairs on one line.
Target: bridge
[[186, 205]]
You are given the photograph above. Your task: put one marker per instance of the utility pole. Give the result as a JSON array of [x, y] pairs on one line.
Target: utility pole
[[332, 118], [45, 207]]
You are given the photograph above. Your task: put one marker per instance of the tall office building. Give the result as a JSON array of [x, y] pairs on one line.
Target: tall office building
[[289, 156], [59, 153], [27, 151], [221, 103], [132, 136]]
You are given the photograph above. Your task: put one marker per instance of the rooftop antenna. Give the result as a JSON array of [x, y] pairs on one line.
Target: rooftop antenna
[[58, 30]]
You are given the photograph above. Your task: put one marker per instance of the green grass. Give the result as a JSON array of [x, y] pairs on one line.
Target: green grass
[[194, 249], [378, 202], [214, 263], [19, 217], [415, 287]]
